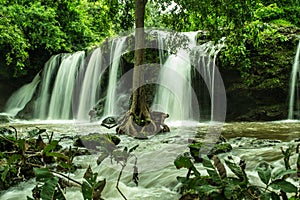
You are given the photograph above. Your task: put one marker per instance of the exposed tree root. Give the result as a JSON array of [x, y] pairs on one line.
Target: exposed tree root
[[133, 126]]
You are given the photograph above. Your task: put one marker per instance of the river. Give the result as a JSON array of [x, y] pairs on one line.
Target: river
[[253, 142]]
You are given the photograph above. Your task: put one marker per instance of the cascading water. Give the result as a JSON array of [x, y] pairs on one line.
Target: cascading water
[[21, 97], [60, 105], [294, 102], [174, 96], [89, 87], [49, 73], [54, 99], [70, 77], [117, 49], [204, 57], [60, 77]]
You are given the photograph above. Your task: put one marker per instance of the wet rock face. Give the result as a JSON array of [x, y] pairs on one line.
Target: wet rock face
[[4, 119], [6, 88], [253, 104]]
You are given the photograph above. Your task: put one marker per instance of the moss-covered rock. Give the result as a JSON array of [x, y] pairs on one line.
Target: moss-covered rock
[[94, 140]]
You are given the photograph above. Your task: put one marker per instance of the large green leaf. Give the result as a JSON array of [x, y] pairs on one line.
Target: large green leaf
[[264, 174], [207, 163], [274, 196], [90, 176], [4, 173], [235, 169], [48, 189], [211, 169], [53, 145], [98, 188], [282, 173], [87, 191], [228, 192], [284, 186], [42, 173], [265, 196], [214, 175], [183, 162]]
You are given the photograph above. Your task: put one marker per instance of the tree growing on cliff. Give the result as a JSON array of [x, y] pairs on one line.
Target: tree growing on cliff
[[139, 121]]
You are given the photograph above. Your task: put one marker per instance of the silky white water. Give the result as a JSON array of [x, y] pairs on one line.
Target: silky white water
[[48, 74], [174, 94], [89, 86], [204, 58], [117, 49], [21, 97], [294, 86], [60, 106]]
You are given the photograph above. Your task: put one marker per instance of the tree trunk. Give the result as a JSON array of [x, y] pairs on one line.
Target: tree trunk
[[138, 99], [138, 121]]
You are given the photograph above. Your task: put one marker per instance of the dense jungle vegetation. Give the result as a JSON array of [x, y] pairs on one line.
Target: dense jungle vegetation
[[258, 33]]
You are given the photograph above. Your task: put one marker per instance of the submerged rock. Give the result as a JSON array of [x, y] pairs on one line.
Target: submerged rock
[[94, 140], [109, 122]]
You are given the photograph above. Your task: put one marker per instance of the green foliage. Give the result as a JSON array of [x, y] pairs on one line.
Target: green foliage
[[19, 156], [52, 185], [255, 44], [260, 55], [33, 31], [91, 188], [217, 185], [268, 13], [256, 34]]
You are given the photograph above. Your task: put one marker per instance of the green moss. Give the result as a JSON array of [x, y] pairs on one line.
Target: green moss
[[282, 22]]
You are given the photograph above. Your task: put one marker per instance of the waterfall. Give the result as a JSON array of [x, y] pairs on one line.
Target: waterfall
[[21, 97], [70, 83], [60, 105], [89, 87], [294, 104], [117, 49], [49, 73], [204, 58], [174, 94]]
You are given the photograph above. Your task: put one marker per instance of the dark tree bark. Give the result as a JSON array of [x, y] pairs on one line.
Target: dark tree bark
[[139, 121], [138, 100]]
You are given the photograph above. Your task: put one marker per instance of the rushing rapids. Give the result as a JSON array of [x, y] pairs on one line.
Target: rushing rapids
[[254, 142]]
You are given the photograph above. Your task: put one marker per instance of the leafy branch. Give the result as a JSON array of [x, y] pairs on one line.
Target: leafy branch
[[218, 185]]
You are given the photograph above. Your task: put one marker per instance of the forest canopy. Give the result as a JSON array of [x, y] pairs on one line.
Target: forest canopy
[[32, 31]]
